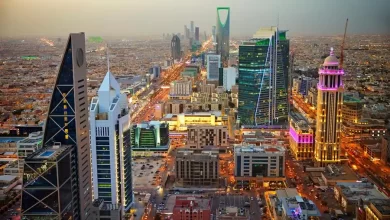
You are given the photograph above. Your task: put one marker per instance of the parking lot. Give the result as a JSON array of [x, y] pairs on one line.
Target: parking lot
[[147, 173]]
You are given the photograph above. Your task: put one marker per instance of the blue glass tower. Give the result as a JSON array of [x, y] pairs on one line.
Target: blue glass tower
[[57, 178], [263, 78]]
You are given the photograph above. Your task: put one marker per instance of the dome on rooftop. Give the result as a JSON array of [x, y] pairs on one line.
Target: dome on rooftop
[[331, 60]]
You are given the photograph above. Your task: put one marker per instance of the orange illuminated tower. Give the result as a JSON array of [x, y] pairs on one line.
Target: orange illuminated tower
[[329, 105]]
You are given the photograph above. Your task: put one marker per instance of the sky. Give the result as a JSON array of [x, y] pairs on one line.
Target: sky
[[155, 17]]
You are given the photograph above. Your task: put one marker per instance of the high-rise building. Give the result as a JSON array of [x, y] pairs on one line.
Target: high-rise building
[[155, 71], [195, 167], [223, 33], [192, 31], [229, 76], [185, 32], [110, 144], [150, 138], [213, 32], [200, 136], [175, 48], [263, 78], [57, 178], [197, 34], [213, 64], [329, 112]]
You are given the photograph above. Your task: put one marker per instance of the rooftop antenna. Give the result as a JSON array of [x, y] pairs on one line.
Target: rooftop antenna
[[108, 59]]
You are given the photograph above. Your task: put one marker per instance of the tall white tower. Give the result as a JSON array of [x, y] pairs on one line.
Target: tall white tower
[[110, 144], [329, 104]]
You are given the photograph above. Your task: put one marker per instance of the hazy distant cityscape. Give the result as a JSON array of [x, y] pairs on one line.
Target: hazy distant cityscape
[[196, 125]]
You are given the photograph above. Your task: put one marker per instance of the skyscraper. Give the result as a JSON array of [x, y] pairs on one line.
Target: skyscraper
[[175, 48], [329, 106], [192, 29], [197, 34], [263, 78], [185, 32], [57, 178], [213, 31], [223, 33], [110, 144], [213, 64]]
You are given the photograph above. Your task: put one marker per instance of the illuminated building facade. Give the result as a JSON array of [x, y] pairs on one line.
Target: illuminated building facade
[[301, 137], [200, 136], [110, 145], [263, 78], [329, 112], [180, 122], [150, 137], [223, 33], [57, 178]]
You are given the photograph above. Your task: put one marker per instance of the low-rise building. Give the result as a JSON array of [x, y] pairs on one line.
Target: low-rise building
[[191, 208], [378, 209], [334, 174], [232, 213], [257, 165], [197, 167], [28, 146], [349, 195], [288, 204], [200, 136], [385, 149], [180, 122]]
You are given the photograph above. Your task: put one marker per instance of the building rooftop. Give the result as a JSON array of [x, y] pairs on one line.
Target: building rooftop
[[50, 152], [6, 178], [342, 173], [33, 137], [150, 124], [382, 205], [194, 201], [249, 148], [299, 121], [359, 190]]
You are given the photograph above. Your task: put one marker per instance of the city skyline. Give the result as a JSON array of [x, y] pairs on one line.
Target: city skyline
[[301, 17]]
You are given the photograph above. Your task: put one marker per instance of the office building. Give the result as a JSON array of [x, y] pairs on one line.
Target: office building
[[258, 165], [352, 110], [155, 72], [28, 146], [200, 136], [213, 64], [289, 204], [107, 211], [197, 167], [180, 88], [65, 149], [197, 34], [180, 122], [175, 48], [223, 33], [385, 149], [263, 78], [229, 76], [329, 112], [191, 208], [159, 110], [110, 144], [150, 138], [306, 84], [301, 137]]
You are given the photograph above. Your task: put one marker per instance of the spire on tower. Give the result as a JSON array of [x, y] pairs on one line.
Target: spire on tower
[[331, 51]]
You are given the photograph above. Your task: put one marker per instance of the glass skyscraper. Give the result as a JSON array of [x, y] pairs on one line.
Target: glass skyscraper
[[57, 178], [111, 145], [223, 33], [263, 78]]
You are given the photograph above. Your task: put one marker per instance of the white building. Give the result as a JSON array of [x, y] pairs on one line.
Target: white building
[[180, 88], [28, 146], [110, 144], [229, 77], [259, 162], [213, 64]]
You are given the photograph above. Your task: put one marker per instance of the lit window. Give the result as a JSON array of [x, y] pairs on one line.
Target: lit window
[[66, 131], [66, 137], [65, 107], [65, 118]]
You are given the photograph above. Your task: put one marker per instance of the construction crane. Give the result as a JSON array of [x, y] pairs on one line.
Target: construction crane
[[342, 45]]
